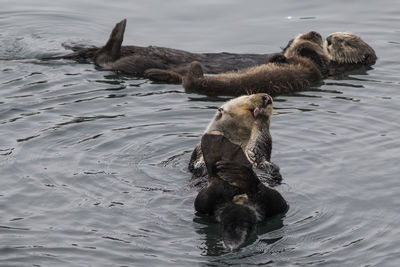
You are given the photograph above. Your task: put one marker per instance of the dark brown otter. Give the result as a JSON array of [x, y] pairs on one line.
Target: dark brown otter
[[302, 63], [234, 195], [157, 63]]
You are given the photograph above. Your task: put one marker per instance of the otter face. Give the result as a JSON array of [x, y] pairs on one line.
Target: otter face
[[345, 47], [236, 118], [250, 107]]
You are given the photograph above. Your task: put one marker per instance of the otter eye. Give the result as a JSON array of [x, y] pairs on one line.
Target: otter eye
[[219, 114], [329, 40], [264, 98]]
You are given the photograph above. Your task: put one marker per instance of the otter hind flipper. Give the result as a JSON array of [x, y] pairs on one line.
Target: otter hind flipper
[[115, 41], [195, 70], [111, 51], [217, 147]]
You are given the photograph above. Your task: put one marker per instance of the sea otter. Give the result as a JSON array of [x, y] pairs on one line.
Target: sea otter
[[244, 121], [303, 62], [234, 195], [157, 63], [305, 59]]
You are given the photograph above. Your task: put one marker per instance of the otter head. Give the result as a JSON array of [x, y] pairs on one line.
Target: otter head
[[236, 118], [308, 45], [345, 47], [250, 107]]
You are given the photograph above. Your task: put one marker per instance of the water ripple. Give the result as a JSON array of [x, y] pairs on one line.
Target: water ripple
[[94, 163]]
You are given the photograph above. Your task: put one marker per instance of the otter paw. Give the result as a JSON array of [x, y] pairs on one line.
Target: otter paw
[[263, 165]]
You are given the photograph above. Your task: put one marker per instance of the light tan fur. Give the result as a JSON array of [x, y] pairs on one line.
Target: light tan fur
[[236, 121], [346, 47], [244, 121]]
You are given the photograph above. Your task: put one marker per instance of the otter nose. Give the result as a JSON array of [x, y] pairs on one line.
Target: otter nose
[[329, 40], [266, 100]]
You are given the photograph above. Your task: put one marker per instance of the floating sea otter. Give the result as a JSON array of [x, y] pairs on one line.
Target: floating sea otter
[[244, 121], [157, 63], [304, 60], [234, 195]]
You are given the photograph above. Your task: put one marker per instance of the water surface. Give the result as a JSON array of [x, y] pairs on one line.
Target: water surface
[[94, 163]]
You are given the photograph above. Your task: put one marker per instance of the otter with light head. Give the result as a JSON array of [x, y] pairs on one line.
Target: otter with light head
[[305, 59], [234, 195], [245, 121], [303, 62]]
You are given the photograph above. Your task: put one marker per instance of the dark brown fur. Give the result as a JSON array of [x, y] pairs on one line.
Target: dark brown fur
[[158, 63], [234, 195], [303, 62]]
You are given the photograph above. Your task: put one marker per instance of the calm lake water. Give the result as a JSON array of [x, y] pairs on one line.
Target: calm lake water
[[94, 164]]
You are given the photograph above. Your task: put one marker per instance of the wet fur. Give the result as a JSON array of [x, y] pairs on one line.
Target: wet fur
[[157, 63], [302, 63], [305, 59], [234, 194], [236, 121]]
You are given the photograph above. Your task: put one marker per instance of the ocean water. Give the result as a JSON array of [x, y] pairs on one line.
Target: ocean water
[[94, 163]]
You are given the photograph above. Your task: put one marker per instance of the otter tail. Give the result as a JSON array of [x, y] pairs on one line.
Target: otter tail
[[80, 54], [111, 51]]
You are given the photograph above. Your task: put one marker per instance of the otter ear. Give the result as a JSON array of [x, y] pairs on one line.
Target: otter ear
[[311, 54]]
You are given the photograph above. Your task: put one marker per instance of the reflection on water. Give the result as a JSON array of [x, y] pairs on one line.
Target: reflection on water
[[212, 242], [94, 163]]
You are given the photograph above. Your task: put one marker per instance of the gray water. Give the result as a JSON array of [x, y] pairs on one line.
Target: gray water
[[94, 164]]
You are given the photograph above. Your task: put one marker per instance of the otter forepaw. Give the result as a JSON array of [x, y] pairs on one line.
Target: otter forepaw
[[263, 165]]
